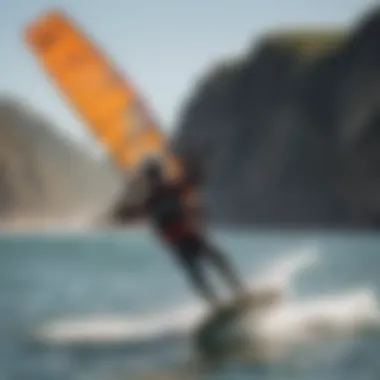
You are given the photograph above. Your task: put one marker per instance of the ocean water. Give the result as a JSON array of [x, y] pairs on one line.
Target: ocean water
[[114, 305]]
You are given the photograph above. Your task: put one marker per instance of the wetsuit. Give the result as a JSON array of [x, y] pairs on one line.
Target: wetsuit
[[171, 220]]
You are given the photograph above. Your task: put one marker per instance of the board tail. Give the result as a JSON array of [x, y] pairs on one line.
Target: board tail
[[105, 100]]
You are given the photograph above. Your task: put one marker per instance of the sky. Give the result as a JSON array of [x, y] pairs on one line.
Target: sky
[[163, 45]]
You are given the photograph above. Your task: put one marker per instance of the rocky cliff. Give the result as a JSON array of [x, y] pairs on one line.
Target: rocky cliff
[[45, 178], [288, 135]]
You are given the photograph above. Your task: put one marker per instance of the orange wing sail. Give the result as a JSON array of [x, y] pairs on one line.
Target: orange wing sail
[[106, 101]]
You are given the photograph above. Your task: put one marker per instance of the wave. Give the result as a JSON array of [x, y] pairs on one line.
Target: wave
[[289, 323]]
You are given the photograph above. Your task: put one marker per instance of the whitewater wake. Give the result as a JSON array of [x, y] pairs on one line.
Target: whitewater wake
[[289, 322]]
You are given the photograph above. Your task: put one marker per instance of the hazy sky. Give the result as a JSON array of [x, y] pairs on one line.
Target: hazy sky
[[164, 45]]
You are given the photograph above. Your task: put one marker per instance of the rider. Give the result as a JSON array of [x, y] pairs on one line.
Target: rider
[[167, 207]]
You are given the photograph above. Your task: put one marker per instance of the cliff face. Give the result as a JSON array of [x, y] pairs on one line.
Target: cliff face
[[289, 135], [46, 179]]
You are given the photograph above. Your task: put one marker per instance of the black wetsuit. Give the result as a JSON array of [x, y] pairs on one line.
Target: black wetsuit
[[171, 221]]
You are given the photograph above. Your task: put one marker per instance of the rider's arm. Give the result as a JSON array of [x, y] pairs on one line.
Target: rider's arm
[[131, 204]]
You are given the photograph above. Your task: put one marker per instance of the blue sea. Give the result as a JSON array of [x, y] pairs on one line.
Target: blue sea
[[122, 308]]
